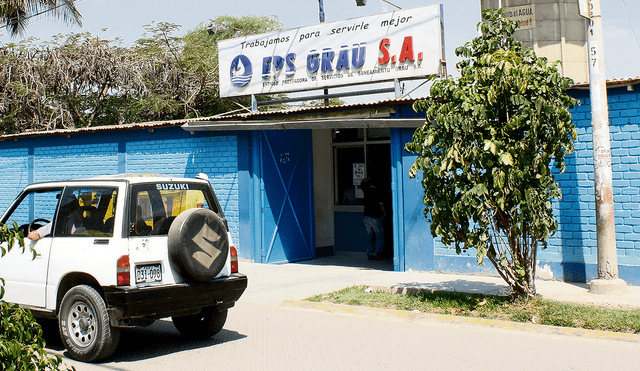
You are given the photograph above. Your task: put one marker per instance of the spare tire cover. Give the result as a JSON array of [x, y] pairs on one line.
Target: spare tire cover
[[198, 244]]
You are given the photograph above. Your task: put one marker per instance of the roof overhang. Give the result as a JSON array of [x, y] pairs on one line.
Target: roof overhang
[[380, 115], [330, 123]]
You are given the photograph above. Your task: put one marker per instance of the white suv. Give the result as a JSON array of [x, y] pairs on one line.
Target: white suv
[[120, 251]]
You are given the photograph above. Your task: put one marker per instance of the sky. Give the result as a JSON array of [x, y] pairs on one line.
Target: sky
[[126, 19]]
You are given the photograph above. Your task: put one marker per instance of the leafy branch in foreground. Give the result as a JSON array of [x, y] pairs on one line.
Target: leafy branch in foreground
[[486, 149], [21, 341]]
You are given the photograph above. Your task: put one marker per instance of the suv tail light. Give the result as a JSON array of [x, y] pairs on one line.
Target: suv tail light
[[234, 259], [123, 271]]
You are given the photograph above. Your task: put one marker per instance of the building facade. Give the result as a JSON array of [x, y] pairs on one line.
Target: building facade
[[286, 180]]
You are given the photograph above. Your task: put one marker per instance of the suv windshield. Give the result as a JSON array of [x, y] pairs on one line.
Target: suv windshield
[[155, 206]]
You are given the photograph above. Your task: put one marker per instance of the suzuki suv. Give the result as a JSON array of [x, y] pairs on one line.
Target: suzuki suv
[[119, 251]]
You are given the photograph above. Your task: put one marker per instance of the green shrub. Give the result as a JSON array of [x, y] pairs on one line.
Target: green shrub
[[21, 341]]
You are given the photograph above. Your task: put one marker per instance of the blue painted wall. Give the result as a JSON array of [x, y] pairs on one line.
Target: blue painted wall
[[413, 236], [285, 197], [169, 151], [233, 161], [572, 251]]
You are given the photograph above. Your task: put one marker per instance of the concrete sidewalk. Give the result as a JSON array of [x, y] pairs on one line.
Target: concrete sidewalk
[[272, 284]]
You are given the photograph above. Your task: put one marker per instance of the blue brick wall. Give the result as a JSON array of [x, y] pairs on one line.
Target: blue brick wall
[[90, 155], [14, 174], [172, 151], [572, 251], [576, 237], [215, 156], [75, 161]]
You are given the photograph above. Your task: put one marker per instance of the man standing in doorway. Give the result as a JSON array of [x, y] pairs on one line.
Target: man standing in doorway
[[374, 214]]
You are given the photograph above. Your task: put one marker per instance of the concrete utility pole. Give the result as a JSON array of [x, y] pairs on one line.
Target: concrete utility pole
[[608, 281], [321, 16], [321, 10]]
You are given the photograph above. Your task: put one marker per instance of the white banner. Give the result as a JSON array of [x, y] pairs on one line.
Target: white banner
[[398, 45]]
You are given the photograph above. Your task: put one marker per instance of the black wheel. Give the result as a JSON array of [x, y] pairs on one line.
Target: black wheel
[[201, 326], [84, 325], [198, 244]]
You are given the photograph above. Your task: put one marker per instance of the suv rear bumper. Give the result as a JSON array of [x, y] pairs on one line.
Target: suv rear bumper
[[128, 305]]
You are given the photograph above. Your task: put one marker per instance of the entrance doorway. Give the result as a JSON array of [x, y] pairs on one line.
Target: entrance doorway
[[358, 154]]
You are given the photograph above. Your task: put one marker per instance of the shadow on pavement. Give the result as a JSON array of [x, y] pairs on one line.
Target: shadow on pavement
[[349, 259], [142, 343], [161, 339], [51, 333]]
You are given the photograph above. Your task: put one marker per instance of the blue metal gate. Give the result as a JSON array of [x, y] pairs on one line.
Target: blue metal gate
[[286, 196]]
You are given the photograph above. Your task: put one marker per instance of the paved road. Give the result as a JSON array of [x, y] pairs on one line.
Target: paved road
[[263, 334], [259, 337]]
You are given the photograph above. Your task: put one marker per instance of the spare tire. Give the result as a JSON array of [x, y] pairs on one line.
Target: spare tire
[[198, 244]]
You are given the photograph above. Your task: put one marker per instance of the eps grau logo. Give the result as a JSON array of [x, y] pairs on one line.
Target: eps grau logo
[[241, 70]]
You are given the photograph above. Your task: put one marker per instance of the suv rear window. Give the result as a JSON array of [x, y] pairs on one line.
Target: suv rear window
[[155, 206]]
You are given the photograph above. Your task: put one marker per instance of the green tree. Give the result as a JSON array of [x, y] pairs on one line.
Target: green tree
[[195, 55], [486, 149], [70, 81], [15, 14], [21, 340], [82, 81]]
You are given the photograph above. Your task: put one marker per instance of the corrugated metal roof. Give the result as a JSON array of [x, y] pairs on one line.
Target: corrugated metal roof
[[67, 132], [222, 117], [310, 109], [262, 114], [610, 83]]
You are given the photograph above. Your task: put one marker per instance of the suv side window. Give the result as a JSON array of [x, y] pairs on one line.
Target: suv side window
[[86, 211], [40, 204], [155, 206]]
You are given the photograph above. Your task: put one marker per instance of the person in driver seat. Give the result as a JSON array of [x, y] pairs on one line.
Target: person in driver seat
[[37, 234], [68, 214]]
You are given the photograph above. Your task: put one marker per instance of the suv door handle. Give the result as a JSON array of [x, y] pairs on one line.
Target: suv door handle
[[101, 241]]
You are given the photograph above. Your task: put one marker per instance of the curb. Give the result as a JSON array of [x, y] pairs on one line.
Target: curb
[[444, 318]]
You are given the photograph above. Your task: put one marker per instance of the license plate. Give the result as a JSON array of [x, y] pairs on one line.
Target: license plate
[[148, 273]]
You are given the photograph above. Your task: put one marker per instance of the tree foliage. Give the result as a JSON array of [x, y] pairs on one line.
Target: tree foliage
[[81, 80], [21, 340], [486, 149], [15, 14]]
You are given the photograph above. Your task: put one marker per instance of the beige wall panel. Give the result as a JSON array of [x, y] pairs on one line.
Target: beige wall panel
[[547, 30], [323, 187], [560, 33], [549, 49], [545, 12], [575, 53], [575, 29], [579, 72]]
